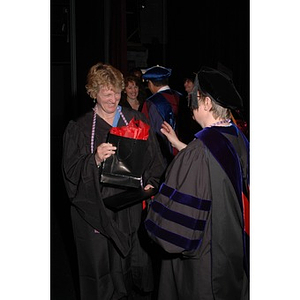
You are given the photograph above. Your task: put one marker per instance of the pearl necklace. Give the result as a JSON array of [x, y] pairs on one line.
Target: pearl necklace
[[220, 122], [95, 109]]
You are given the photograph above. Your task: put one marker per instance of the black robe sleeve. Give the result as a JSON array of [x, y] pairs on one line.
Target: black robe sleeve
[[173, 223], [81, 177]]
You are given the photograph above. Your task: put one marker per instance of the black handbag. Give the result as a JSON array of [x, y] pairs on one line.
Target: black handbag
[[128, 198], [125, 168]]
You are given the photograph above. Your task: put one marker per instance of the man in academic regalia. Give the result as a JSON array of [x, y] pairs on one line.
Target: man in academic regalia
[[161, 106], [200, 217]]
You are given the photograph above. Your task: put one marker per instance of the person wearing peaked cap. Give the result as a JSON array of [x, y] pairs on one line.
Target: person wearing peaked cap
[[161, 106], [200, 216], [157, 73], [214, 81], [219, 86]]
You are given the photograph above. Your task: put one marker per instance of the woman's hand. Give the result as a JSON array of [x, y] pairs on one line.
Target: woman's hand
[[169, 132], [148, 187], [104, 151]]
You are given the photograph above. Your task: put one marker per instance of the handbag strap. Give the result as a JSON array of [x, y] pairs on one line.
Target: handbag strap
[[94, 124]]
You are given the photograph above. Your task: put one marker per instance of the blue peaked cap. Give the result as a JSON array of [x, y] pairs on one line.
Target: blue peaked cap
[[157, 73]]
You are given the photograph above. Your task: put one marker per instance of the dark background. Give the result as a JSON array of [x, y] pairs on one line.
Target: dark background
[[181, 35]]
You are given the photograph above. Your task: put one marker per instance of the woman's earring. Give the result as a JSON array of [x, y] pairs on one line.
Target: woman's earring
[[94, 100]]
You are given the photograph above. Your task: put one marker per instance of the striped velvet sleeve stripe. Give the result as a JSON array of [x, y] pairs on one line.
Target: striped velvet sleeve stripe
[[185, 199], [171, 237], [177, 229], [178, 217]]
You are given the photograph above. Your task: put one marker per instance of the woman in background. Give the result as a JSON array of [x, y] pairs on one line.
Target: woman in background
[[131, 96]]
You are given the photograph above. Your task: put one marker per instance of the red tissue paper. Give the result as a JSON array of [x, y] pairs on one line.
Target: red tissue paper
[[136, 129]]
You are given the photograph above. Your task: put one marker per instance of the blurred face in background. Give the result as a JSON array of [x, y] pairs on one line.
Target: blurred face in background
[[132, 90], [188, 85]]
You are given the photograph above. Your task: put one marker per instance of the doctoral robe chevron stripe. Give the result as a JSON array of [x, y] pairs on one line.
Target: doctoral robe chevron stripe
[[185, 198], [175, 230], [178, 217], [171, 237]]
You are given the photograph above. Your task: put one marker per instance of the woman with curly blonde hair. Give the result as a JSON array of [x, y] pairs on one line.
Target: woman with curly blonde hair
[[112, 262]]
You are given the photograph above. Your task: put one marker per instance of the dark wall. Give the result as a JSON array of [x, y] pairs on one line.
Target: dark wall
[[210, 32], [202, 32]]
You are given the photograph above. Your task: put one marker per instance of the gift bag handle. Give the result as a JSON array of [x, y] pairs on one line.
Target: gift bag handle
[[118, 151]]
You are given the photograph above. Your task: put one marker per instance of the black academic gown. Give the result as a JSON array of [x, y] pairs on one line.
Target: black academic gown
[[216, 268], [111, 258]]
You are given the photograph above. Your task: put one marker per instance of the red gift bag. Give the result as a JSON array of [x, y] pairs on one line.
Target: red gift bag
[[125, 168], [136, 129]]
